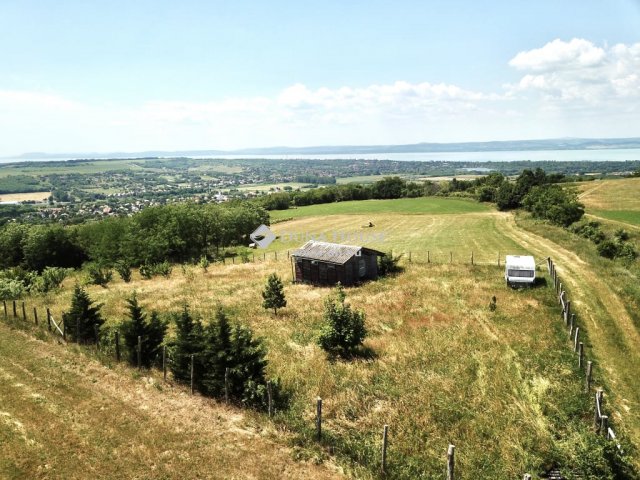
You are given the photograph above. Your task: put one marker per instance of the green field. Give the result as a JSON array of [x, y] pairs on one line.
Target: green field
[[631, 217], [423, 205]]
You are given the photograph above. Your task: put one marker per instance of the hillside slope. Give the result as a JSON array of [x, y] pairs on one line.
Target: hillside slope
[[63, 415]]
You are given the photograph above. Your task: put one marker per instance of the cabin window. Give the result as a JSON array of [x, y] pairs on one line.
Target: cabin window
[[520, 273]]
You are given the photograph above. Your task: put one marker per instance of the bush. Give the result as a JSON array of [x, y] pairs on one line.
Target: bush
[[621, 235], [11, 289], [388, 264], [344, 328], [204, 263], [99, 275], [551, 202], [52, 278], [162, 268], [146, 271], [124, 270]]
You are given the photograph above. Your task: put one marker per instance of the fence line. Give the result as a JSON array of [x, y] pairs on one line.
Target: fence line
[[601, 421]]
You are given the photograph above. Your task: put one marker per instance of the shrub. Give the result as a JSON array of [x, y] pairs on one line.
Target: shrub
[[344, 328], [83, 319], [11, 289], [146, 271], [124, 270], [204, 263], [621, 235], [162, 268], [99, 275], [608, 249], [388, 264], [52, 278]]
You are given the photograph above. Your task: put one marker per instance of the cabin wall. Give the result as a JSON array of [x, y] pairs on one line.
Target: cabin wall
[[321, 273]]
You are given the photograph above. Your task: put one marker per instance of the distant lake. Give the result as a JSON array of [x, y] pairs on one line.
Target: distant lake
[[599, 155]]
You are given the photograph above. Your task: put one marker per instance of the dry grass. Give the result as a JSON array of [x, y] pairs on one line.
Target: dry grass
[[21, 197], [446, 368], [66, 416], [502, 386], [622, 194]]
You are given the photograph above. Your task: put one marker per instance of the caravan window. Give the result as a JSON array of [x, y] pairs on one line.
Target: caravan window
[[520, 273]]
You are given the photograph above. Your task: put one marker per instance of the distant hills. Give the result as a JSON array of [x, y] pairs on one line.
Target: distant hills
[[496, 146]]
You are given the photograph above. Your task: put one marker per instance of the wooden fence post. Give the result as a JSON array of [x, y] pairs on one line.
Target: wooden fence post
[[164, 362], [139, 352], [24, 313], [409, 256], [580, 355], [450, 257], [233, 259], [604, 424], [576, 339], [226, 385], [451, 462], [35, 315], [385, 432], [598, 404], [319, 418], [428, 257], [117, 346], [270, 397], [276, 255], [49, 318], [568, 309], [15, 314], [4, 303], [498, 258], [192, 357], [587, 387], [264, 256], [471, 257]]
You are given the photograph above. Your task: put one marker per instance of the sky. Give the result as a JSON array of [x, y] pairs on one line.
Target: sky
[[112, 75]]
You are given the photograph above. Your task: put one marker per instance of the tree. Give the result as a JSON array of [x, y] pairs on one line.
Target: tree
[[553, 203], [188, 342], [344, 328], [273, 294], [150, 332], [82, 320], [216, 354], [124, 270]]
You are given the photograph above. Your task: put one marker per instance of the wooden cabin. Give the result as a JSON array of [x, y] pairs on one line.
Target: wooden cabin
[[323, 263]]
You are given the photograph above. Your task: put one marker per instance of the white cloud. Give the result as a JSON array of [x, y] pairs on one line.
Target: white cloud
[[578, 74], [560, 55]]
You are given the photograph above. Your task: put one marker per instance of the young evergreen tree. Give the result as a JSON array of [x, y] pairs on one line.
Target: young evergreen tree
[[83, 319], [273, 294], [216, 354], [188, 342], [150, 332], [249, 362], [344, 329]]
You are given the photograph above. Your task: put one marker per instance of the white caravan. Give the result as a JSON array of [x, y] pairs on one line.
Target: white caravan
[[520, 270]]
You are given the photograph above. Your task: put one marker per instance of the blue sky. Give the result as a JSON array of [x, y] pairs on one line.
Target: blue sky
[[125, 76]]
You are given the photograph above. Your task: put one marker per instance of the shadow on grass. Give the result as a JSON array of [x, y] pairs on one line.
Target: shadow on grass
[[361, 353]]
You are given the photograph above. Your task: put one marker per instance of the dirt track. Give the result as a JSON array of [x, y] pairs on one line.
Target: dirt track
[[608, 323]]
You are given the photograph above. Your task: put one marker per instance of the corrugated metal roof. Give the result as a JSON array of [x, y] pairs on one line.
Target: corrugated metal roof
[[330, 252]]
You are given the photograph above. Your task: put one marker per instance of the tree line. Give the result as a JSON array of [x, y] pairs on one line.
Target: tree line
[[173, 233]]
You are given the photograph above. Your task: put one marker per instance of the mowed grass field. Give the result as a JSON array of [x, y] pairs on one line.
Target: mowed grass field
[[405, 206], [503, 385], [616, 200]]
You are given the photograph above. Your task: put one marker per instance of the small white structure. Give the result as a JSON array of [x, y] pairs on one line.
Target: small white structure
[[520, 270]]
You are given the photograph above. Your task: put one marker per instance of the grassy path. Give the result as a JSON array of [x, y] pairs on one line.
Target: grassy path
[[612, 334], [63, 415]]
